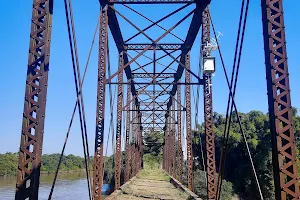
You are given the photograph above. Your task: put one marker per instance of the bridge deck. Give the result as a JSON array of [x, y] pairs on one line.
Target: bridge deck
[[150, 184]]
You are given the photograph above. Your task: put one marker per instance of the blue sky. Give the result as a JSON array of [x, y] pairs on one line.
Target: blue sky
[[14, 41]]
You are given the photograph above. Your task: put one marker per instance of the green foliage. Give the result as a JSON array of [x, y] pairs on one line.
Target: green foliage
[[238, 169], [69, 163], [153, 142], [8, 164], [200, 186], [151, 162]]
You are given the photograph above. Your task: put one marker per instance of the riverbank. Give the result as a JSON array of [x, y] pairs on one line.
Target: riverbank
[[69, 164], [70, 185]]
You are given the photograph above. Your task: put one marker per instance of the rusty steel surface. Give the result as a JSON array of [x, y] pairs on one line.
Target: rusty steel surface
[[189, 134], [118, 156], [156, 47], [127, 147], [174, 167], [141, 152], [150, 1], [30, 153], [179, 120], [100, 114], [208, 115], [169, 154], [286, 178]]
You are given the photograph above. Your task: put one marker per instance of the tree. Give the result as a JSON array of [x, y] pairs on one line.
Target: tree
[[238, 169], [153, 142]]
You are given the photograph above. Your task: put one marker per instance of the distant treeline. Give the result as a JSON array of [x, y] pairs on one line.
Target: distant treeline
[[9, 163]]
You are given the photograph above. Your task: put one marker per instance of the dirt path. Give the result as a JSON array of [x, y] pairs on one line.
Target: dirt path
[[151, 184]]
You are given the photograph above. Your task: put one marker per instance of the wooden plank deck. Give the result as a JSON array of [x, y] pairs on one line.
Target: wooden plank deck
[[150, 184]]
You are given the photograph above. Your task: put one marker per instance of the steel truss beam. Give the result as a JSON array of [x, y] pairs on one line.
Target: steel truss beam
[[156, 47], [30, 153], [118, 157], [156, 83], [100, 114], [208, 115], [280, 110], [173, 137], [188, 43], [118, 38], [189, 135], [155, 93], [179, 120], [182, 64], [151, 75], [150, 1], [127, 147]]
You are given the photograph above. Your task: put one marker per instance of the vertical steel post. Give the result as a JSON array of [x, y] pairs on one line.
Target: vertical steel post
[[164, 151], [208, 113], [28, 174], [141, 143], [127, 147], [118, 157], [169, 147], [173, 136], [189, 135], [280, 110], [180, 153], [98, 157], [134, 129], [139, 132]]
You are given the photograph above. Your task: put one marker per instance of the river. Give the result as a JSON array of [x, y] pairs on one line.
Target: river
[[69, 186]]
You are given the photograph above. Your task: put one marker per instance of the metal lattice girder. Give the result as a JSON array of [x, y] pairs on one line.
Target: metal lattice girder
[[280, 110], [180, 153], [141, 152], [151, 75], [118, 38], [118, 156], [173, 141], [189, 135], [156, 47], [155, 93], [100, 114], [189, 41], [209, 138], [169, 146], [127, 147], [208, 115], [150, 1], [28, 173], [148, 104]]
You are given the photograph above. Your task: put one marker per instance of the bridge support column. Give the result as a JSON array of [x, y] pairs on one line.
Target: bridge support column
[[98, 157], [180, 154], [28, 174], [118, 156], [128, 160], [208, 113], [173, 141], [280, 110], [189, 135]]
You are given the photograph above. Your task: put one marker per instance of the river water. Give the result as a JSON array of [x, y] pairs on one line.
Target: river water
[[69, 186]]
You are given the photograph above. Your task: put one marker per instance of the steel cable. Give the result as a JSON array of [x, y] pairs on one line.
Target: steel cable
[[233, 101], [81, 94], [196, 117], [77, 100], [223, 153]]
